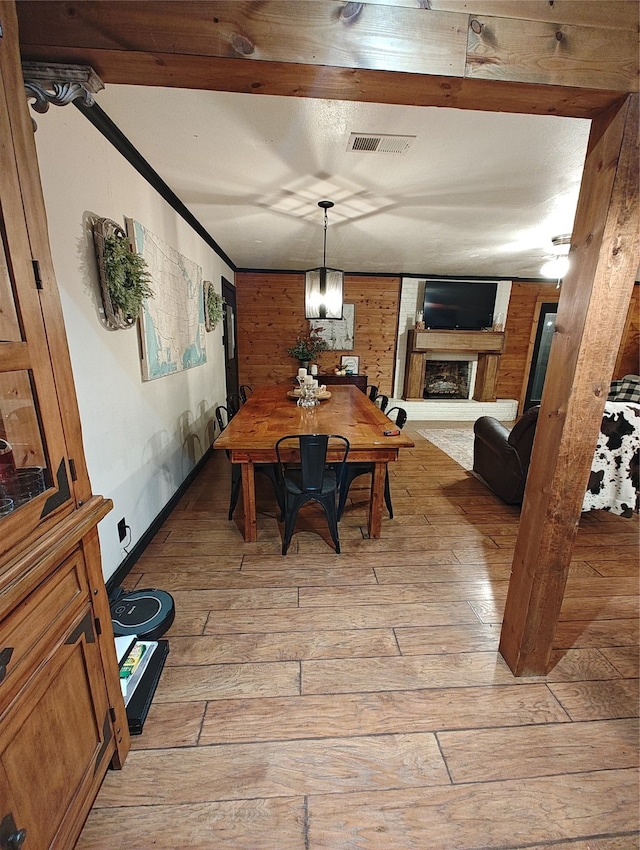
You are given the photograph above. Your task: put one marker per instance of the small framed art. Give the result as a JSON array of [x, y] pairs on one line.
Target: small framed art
[[351, 363]]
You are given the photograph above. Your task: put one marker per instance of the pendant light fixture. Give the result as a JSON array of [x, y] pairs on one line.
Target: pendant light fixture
[[323, 287]]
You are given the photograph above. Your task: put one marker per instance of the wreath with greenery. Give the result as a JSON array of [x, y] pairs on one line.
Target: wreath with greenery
[[127, 276], [213, 306], [123, 275]]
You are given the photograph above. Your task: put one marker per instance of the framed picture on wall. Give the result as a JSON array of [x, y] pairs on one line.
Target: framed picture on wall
[[350, 361], [338, 334]]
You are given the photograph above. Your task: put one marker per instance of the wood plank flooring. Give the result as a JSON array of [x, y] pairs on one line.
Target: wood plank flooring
[[358, 702]]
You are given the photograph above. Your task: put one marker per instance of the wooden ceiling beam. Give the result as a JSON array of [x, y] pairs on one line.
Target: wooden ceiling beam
[[362, 36], [613, 14], [292, 80]]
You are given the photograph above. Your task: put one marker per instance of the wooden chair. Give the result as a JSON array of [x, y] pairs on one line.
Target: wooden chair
[[351, 471], [310, 479]]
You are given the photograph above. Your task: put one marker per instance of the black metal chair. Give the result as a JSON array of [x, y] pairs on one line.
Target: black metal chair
[[244, 391], [270, 470], [400, 417], [381, 400], [372, 391], [352, 471], [233, 404], [310, 478]]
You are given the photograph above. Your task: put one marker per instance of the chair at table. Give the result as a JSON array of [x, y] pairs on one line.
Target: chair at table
[[270, 470], [371, 391], [310, 478], [354, 470], [381, 401], [233, 404], [244, 392]]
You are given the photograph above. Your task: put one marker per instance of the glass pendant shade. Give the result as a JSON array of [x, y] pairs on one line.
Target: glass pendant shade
[[323, 287], [323, 294]]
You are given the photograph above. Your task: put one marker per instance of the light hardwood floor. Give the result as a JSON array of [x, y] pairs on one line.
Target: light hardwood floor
[[358, 702]]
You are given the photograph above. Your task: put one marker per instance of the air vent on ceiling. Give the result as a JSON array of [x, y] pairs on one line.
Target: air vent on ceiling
[[379, 142]]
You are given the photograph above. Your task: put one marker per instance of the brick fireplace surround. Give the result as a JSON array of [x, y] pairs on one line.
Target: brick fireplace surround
[[486, 346]]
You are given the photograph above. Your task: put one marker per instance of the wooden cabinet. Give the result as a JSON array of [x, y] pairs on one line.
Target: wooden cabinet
[[359, 381], [62, 717]]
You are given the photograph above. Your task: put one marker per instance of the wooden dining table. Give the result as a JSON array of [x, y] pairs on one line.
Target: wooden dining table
[[269, 413]]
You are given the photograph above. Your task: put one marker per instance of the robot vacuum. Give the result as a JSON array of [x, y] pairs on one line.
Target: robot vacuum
[[147, 614]]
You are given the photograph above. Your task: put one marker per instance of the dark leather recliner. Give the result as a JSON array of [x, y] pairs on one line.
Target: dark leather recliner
[[501, 457]]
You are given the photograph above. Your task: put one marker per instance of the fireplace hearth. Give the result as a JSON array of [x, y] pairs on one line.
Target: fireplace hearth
[[447, 379]]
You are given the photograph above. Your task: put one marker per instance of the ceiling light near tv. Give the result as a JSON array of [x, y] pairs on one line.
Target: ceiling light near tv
[[558, 265]]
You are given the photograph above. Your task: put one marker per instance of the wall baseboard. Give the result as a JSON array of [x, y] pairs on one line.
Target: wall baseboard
[[116, 579]]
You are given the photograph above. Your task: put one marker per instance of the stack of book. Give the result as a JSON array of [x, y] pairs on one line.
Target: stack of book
[[140, 663]]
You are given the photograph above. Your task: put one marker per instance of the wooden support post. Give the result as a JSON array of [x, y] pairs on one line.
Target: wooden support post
[[591, 314]]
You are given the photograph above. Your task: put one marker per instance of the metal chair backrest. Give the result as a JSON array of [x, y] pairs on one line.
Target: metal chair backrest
[[312, 451], [234, 403], [381, 401], [372, 391], [244, 391], [222, 417], [401, 416]]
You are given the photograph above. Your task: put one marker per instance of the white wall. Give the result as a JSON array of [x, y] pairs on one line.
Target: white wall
[[141, 438]]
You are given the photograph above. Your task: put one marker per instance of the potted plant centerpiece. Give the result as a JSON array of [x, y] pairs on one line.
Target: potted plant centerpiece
[[307, 346]]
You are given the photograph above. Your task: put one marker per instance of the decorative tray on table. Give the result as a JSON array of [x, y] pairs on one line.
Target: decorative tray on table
[[295, 394]]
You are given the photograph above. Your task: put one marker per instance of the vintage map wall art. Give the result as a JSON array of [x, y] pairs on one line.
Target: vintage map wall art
[[173, 326]]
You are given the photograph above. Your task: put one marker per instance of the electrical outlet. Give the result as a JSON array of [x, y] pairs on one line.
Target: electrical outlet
[[122, 529]]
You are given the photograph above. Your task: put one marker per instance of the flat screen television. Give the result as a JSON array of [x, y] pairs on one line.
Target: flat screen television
[[459, 304]]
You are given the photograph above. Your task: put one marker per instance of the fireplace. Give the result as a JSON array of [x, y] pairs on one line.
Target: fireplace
[[481, 348], [447, 379]]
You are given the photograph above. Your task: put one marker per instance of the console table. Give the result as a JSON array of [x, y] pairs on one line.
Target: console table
[[359, 381], [488, 345]]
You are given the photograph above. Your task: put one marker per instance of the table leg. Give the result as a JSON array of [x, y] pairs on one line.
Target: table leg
[[377, 499], [249, 503]]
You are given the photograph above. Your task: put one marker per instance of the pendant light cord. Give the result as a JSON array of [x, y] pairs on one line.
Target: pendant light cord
[[324, 249]]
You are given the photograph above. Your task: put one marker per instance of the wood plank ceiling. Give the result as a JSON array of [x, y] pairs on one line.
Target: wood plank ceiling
[[561, 57]]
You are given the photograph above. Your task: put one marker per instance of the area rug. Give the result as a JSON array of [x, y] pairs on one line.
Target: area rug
[[455, 442]]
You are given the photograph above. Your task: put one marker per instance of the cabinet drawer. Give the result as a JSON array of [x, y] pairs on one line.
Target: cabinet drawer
[[37, 621]]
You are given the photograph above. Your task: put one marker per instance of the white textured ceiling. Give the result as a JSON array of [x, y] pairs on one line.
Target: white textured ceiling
[[476, 194]]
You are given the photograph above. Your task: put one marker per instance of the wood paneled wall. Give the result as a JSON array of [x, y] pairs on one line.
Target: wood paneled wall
[[522, 306], [270, 307], [628, 362]]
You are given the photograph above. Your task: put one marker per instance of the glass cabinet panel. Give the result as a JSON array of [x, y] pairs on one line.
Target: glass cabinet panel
[[9, 327], [24, 469]]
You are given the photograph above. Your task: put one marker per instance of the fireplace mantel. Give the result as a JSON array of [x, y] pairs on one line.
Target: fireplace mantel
[[488, 345]]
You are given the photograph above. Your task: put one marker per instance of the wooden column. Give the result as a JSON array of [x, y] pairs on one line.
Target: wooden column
[[592, 309]]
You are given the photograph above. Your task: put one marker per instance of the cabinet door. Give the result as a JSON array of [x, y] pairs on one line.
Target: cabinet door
[[56, 741], [12, 835], [35, 478]]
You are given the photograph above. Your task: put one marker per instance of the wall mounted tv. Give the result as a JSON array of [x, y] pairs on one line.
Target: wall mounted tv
[[459, 304]]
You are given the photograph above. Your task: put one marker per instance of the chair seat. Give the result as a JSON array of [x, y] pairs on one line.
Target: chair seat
[[293, 482]]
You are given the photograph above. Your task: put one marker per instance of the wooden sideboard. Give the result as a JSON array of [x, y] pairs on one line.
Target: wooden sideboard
[[359, 381], [487, 345]]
